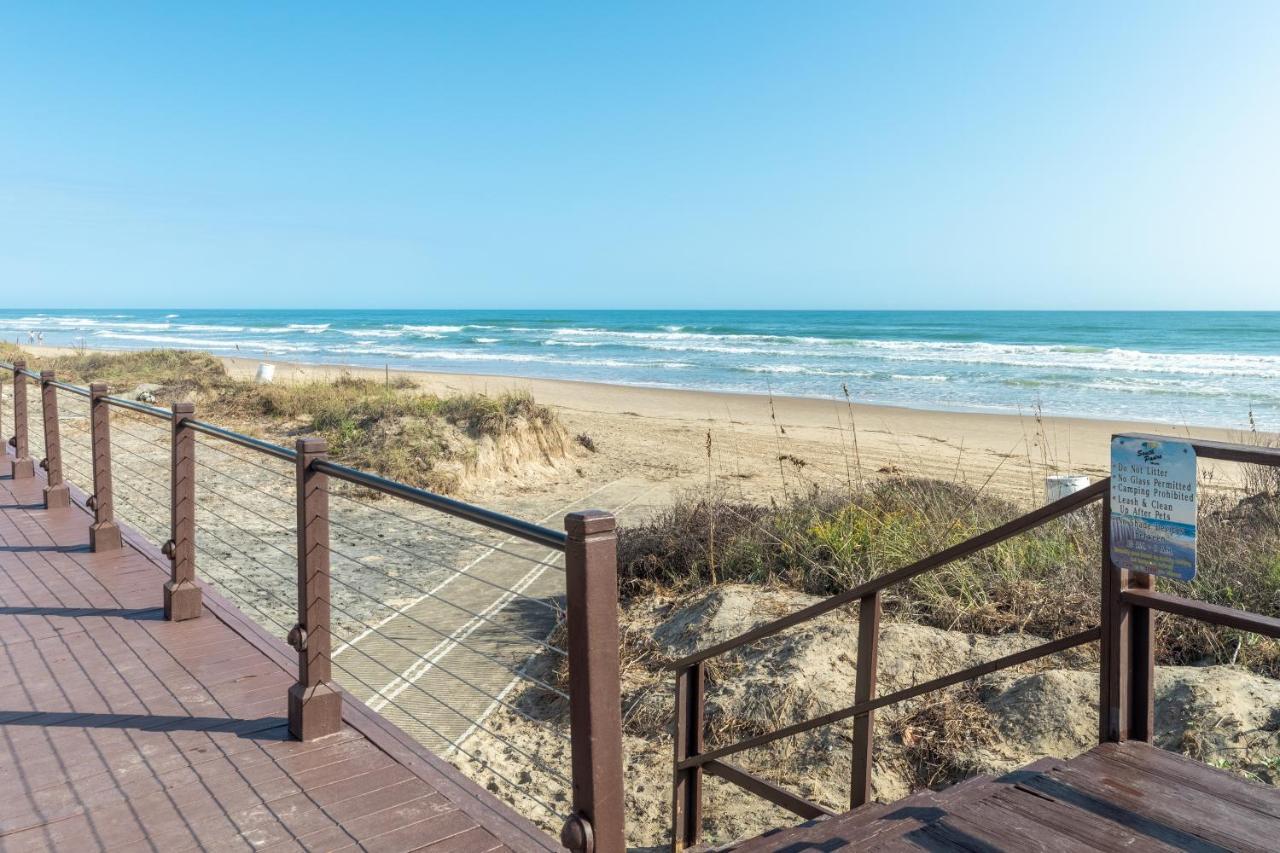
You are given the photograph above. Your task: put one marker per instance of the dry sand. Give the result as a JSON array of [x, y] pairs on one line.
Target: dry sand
[[661, 434]]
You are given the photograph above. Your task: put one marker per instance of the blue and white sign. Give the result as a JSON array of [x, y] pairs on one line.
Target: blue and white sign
[[1153, 507]]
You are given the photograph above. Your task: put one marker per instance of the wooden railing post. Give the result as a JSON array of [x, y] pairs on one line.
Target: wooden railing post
[[595, 691], [1127, 671], [182, 597], [1142, 663], [56, 492], [104, 535], [686, 806], [315, 702], [864, 691], [22, 466]]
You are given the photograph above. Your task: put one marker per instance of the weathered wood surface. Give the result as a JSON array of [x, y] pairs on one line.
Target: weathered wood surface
[[119, 730], [1117, 796]]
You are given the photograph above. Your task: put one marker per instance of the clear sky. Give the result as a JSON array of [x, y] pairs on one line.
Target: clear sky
[[700, 155]]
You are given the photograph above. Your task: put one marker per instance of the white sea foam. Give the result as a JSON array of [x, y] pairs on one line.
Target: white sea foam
[[372, 333], [185, 327], [272, 346], [431, 330]]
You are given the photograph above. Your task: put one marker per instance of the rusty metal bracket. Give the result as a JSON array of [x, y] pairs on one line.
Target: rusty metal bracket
[[298, 637]]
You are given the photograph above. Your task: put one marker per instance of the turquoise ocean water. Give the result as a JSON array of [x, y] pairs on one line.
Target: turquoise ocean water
[[1209, 368]]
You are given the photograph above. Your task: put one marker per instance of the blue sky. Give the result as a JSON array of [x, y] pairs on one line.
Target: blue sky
[[699, 155]]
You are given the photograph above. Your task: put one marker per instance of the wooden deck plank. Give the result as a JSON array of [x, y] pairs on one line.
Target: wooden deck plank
[[1118, 796], [1195, 775], [120, 730]]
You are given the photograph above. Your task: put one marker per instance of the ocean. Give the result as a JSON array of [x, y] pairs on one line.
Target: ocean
[[1203, 368]]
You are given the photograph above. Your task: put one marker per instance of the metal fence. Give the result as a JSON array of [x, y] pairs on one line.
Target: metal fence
[[438, 614], [1128, 602]]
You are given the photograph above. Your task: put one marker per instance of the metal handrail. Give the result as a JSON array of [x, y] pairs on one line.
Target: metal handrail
[[470, 512], [589, 545], [1053, 647], [73, 389], [1126, 672], [460, 509]]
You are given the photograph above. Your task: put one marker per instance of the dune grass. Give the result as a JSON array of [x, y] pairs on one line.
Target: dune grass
[[1045, 581], [391, 428]]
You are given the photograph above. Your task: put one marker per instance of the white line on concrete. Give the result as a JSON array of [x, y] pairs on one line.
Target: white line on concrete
[[428, 661], [492, 549], [502, 694]]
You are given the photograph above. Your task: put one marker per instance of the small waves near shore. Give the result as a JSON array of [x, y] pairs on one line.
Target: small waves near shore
[[1207, 368]]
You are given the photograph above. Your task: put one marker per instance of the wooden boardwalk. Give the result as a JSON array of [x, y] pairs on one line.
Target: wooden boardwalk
[[119, 730], [1117, 796]]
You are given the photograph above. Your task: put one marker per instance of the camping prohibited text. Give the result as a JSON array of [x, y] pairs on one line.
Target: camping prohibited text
[[1153, 507]]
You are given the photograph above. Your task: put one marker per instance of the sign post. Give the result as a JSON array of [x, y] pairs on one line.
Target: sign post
[[1153, 507]]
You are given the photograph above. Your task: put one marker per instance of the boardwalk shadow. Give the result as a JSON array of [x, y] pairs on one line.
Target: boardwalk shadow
[[258, 728], [82, 548], [148, 614]]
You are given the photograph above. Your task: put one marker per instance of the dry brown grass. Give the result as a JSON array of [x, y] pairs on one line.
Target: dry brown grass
[[389, 428], [1044, 582]]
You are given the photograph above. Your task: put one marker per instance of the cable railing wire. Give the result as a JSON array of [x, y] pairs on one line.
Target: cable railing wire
[[374, 630], [489, 545], [292, 556], [211, 490], [427, 593], [399, 676], [255, 488], [136, 495], [418, 655], [488, 766], [358, 562], [367, 505], [463, 572], [218, 447]]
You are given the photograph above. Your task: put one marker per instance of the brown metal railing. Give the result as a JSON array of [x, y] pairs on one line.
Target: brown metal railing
[[315, 701], [1126, 675]]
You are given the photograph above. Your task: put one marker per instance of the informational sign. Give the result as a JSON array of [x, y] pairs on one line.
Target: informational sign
[[1153, 507]]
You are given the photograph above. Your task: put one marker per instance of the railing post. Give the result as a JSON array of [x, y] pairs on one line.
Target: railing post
[[56, 492], [595, 691], [864, 691], [22, 466], [686, 805], [1110, 676], [1142, 663], [315, 702], [1127, 670], [182, 597], [104, 535]]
